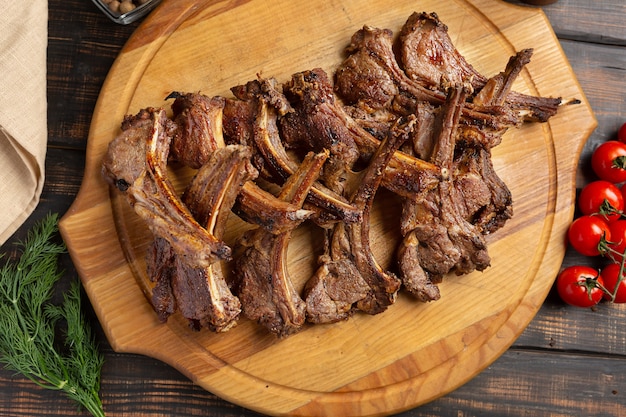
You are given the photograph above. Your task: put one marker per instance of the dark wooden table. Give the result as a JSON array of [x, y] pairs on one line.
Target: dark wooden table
[[568, 362]]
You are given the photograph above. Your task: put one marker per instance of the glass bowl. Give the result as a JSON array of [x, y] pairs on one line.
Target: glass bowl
[[129, 17]]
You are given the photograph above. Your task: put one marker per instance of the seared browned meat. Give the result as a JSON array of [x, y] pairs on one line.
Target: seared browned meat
[[262, 279], [136, 164], [404, 174], [200, 126], [484, 199], [199, 132], [264, 105], [433, 224], [349, 277], [487, 201], [372, 64], [371, 77], [161, 267], [429, 57], [310, 126], [201, 293], [253, 121]]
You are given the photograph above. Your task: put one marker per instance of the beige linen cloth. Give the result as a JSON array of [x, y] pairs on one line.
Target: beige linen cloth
[[23, 110]]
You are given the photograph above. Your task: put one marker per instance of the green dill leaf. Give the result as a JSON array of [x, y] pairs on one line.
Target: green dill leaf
[[29, 322]]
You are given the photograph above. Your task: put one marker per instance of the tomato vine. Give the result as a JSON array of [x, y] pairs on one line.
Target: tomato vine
[[600, 231]]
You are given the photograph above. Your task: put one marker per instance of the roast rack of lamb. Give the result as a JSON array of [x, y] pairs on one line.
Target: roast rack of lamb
[[407, 114]]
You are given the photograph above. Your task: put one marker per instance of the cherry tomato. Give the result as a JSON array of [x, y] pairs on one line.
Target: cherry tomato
[[610, 276], [621, 133], [587, 234], [617, 243], [601, 197], [609, 161], [578, 286]]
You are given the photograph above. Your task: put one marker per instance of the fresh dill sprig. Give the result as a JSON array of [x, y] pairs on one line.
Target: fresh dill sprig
[[29, 320]]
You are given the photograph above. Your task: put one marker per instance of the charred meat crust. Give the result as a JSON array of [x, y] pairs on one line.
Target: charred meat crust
[[428, 56], [262, 280], [137, 159], [349, 277], [201, 293]]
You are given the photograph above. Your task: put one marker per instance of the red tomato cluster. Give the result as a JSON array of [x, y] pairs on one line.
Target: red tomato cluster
[[600, 231]]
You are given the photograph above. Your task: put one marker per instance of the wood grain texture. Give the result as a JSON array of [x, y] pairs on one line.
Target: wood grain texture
[[585, 21], [597, 389], [600, 70], [370, 369], [146, 387]]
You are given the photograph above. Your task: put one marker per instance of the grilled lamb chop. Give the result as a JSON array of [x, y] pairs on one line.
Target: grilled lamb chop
[[349, 278], [371, 79], [200, 123], [310, 126], [429, 57], [136, 164], [262, 279], [433, 225], [259, 105], [484, 199], [251, 120], [199, 133], [202, 294], [330, 125]]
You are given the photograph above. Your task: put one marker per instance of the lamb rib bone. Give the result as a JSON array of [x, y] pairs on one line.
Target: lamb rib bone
[[269, 143], [429, 57], [199, 131], [136, 163], [433, 225], [257, 206], [420, 222], [404, 174], [264, 105], [349, 278], [372, 48], [202, 293], [487, 199], [262, 279]]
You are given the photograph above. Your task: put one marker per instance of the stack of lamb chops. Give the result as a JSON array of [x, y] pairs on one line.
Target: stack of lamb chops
[[413, 117]]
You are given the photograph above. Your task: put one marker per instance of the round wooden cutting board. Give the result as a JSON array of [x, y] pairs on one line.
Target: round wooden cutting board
[[368, 365]]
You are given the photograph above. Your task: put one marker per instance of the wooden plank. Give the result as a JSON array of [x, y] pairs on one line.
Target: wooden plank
[[600, 70], [586, 21], [558, 326], [84, 44], [542, 385]]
